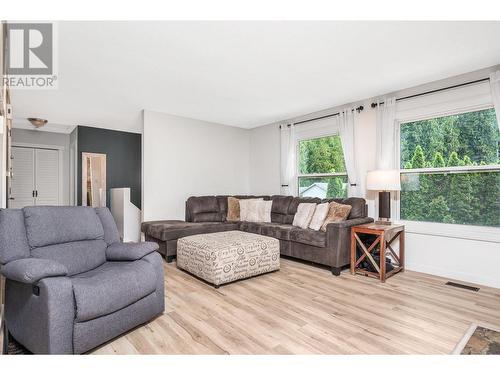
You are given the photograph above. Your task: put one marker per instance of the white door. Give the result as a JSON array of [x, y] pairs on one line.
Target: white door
[[23, 178], [35, 177], [46, 177]]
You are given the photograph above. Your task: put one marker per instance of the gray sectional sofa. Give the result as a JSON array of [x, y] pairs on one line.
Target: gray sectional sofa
[[71, 284], [207, 214]]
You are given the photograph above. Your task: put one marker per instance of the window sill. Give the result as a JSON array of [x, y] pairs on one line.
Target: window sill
[[467, 232]]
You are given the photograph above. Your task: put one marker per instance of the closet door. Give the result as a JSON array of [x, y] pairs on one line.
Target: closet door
[[23, 178], [46, 177]]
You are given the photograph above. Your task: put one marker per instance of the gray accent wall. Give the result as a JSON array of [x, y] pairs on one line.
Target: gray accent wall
[[123, 159]]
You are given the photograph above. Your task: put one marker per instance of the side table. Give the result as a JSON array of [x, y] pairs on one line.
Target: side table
[[385, 236]]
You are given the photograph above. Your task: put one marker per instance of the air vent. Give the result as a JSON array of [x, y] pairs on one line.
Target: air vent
[[462, 286]]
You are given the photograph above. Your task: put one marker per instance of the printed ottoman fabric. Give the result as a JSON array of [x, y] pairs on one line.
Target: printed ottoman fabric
[[222, 257]]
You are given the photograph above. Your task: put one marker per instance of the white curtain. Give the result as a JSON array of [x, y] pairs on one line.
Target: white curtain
[[495, 93], [347, 121], [386, 133], [288, 168]]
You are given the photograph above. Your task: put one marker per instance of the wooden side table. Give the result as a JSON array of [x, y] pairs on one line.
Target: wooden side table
[[385, 236]]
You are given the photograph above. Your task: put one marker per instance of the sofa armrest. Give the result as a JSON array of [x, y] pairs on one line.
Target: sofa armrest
[[338, 238], [32, 270], [129, 251]]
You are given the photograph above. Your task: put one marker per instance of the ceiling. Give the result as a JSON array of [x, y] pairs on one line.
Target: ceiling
[[245, 74]]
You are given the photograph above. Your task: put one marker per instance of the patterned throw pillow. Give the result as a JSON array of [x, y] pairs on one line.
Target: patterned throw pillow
[[233, 209], [319, 216], [336, 212], [304, 214]]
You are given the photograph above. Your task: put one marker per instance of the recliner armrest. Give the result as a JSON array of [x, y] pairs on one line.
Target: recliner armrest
[[129, 251], [32, 270]]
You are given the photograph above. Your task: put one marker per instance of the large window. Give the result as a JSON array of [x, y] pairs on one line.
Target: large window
[[321, 168], [450, 169]]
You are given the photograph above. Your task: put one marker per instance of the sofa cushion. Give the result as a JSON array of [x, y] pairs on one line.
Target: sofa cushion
[[147, 224], [111, 287], [358, 207], [308, 236], [250, 227], [49, 225], [279, 231], [204, 217], [279, 209], [203, 209], [203, 204], [222, 201], [172, 230], [77, 257]]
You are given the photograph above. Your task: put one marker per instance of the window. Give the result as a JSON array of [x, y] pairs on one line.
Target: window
[[321, 168], [450, 169]]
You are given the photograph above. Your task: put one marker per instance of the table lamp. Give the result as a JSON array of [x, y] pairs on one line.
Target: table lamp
[[383, 181]]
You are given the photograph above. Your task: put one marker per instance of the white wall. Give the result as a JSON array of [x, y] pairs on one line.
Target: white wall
[[469, 260], [265, 160], [184, 157], [34, 137]]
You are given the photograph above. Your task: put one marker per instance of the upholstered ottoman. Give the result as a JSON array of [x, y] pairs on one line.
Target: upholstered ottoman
[[222, 257]]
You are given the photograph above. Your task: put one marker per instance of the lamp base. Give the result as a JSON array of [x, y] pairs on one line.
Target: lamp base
[[383, 222]]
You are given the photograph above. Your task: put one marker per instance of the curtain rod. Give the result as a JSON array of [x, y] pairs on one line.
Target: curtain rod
[[374, 105], [359, 109]]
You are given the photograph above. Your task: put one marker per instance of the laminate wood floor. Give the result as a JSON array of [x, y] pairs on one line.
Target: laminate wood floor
[[303, 309]]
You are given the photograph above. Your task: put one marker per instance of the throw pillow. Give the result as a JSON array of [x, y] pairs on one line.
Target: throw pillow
[[319, 216], [246, 209], [264, 211], [304, 214], [259, 211], [233, 209], [336, 212]]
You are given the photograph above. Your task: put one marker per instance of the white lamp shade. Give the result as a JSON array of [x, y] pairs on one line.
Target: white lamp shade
[[383, 180]]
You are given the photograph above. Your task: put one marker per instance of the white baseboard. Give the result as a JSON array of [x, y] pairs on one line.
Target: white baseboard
[[456, 275]]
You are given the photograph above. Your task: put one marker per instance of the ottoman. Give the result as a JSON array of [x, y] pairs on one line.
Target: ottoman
[[222, 257]]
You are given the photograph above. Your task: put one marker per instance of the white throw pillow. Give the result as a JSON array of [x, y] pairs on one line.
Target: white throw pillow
[[319, 216], [264, 211], [247, 208], [305, 212], [258, 211]]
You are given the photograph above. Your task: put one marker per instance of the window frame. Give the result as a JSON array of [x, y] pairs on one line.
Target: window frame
[[314, 175], [462, 231]]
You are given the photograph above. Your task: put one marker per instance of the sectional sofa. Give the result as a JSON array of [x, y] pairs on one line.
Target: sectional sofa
[[207, 214]]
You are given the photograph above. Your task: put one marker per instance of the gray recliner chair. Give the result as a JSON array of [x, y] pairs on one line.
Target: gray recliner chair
[[71, 284]]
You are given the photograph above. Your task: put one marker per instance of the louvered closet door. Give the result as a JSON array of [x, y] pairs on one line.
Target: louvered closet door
[[23, 177], [46, 177]]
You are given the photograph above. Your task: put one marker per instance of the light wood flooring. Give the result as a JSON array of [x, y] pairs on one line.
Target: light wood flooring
[[303, 309]]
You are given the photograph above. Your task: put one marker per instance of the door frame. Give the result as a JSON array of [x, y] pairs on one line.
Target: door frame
[[60, 172]]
